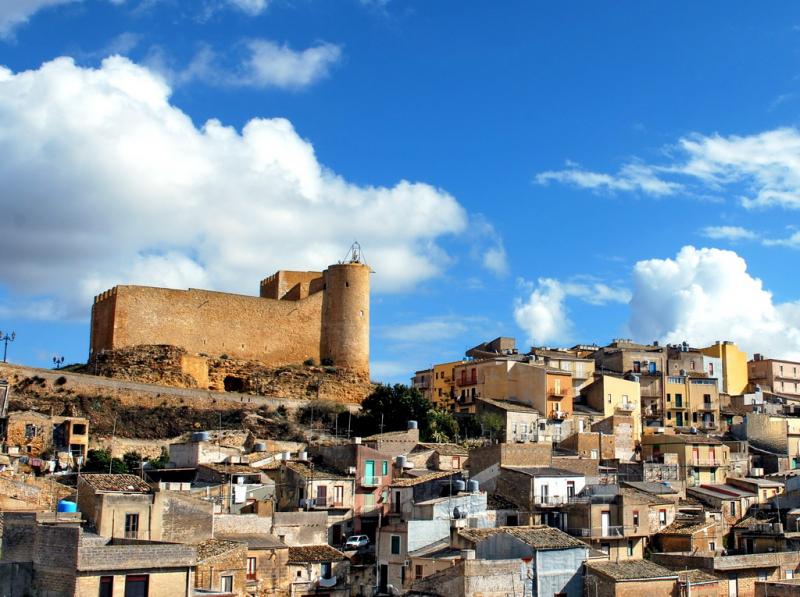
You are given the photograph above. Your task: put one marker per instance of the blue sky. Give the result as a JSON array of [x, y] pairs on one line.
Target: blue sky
[[557, 172]]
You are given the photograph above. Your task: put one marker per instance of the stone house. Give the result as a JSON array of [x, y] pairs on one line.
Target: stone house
[[394, 443], [777, 433], [700, 458], [774, 375], [63, 560], [125, 507], [266, 572], [613, 395], [318, 569], [630, 578], [540, 490], [301, 528], [738, 573], [439, 457], [29, 433], [733, 502], [689, 535], [222, 566], [308, 486]]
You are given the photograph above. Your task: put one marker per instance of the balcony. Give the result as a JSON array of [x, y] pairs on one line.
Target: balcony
[[467, 381], [558, 415], [705, 462], [627, 406], [602, 532], [708, 406], [550, 500], [372, 481], [322, 503]]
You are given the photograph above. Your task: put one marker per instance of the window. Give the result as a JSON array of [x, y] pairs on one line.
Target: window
[[79, 429], [226, 583], [678, 400], [325, 570], [762, 575], [594, 455], [636, 518], [557, 387], [733, 508], [369, 500], [570, 489], [385, 468], [456, 462], [605, 548], [395, 544], [30, 431], [251, 568], [338, 494], [610, 396], [630, 547], [789, 574], [711, 369], [131, 526], [137, 585], [397, 504], [662, 517], [106, 586], [712, 545], [637, 367], [669, 397], [417, 572]]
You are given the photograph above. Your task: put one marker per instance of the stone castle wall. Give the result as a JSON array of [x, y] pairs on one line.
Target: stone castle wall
[[297, 317]]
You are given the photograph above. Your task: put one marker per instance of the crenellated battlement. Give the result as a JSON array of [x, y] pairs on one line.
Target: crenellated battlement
[[104, 296]]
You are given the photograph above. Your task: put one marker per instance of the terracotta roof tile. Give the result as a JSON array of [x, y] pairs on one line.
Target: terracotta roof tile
[[116, 483], [314, 553], [212, 548], [306, 471], [538, 537], [431, 476], [627, 570]]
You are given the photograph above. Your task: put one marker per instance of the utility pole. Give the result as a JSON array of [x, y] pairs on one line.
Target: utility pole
[[111, 449], [6, 338]]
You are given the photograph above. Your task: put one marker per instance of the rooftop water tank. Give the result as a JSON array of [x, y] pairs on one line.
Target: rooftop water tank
[[400, 461], [66, 506], [459, 485], [473, 486], [260, 447], [200, 436], [302, 456], [412, 424]]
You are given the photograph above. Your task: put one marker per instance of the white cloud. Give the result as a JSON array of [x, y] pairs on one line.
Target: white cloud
[[792, 241], [266, 64], [17, 12], [543, 315], [764, 169], [703, 295], [731, 233], [632, 177], [433, 329], [251, 7], [105, 182]]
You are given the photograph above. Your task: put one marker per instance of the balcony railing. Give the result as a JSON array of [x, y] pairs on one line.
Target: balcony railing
[[707, 406], [321, 502], [370, 481], [550, 500], [705, 462], [601, 532]]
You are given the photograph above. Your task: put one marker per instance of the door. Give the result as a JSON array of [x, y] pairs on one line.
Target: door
[[322, 496], [604, 523], [544, 490], [337, 535], [652, 368], [383, 583], [679, 419], [369, 472], [733, 589]]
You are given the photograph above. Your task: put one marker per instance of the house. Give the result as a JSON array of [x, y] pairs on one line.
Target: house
[[581, 368], [266, 571], [629, 577], [517, 422], [779, 434], [33, 434], [700, 458], [439, 456], [613, 395], [734, 366], [733, 502], [692, 402], [222, 566], [125, 507], [690, 535], [775, 375], [56, 557], [538, 489], [318, 569]]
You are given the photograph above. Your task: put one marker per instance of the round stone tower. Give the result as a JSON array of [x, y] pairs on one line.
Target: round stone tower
[[345, 316]]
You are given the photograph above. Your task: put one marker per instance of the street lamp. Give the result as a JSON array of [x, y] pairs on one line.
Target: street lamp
[[6, 339]]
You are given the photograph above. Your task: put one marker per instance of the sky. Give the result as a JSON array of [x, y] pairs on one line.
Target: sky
[[558, 172]]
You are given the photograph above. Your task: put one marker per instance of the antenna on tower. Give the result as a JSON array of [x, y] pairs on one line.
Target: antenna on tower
[[354, 254]]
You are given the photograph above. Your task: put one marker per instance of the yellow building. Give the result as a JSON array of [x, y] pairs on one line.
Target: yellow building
[[734, 366], [701, 459], [443, 388], [614, 395], [692, 402]]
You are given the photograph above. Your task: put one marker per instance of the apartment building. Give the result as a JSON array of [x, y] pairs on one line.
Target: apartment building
[[581, 368], [700, 459], [692, 402], [774, 375], [613, 395]]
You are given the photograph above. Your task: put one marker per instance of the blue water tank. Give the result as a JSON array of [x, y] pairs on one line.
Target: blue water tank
[[66, 506]]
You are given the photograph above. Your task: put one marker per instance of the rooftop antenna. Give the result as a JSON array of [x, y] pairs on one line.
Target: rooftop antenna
[[354, 254]]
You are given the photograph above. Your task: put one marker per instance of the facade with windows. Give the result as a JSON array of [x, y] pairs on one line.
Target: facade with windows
[[773, 375]]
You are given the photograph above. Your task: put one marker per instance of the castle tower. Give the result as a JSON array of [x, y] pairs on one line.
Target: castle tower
[[345, 315]]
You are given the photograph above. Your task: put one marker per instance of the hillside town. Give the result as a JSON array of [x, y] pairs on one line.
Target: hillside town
[[625, 469]]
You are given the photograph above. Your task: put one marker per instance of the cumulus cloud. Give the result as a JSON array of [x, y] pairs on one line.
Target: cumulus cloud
[[543, 314], [251, 7], [703, 295], [106, 182], [731, 233], [763, 169]]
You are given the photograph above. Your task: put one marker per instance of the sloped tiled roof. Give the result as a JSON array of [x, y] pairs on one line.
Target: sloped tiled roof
[[543, 471], [212, 548], [115, 483], [306, 471], [253, 540], [628, 570], [696, 576], [424, 478], [495, 501], [685, 527], [445, 449], [314, 553], [538, 536]]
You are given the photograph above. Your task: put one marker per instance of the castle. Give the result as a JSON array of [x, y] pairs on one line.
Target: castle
[[298, 317]]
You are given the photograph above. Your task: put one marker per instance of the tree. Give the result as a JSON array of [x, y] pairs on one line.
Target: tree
[[133, 461], [442, 426], [394, 406], [99, 461], [161, 461], [491, 424]]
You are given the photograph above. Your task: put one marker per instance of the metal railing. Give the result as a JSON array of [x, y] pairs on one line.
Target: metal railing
[[550, 500], [705, 462], [330, 502], [609, 531]]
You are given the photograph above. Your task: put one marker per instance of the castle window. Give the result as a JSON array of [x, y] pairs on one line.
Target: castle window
[[233, 384], [347, 284]]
